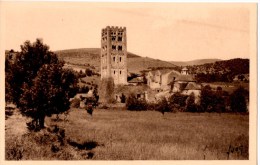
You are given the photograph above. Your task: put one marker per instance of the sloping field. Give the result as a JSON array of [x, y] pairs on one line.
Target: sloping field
[[129, 135], [91, 56]]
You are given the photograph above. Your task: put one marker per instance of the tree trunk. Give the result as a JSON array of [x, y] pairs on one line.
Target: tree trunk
[[41, 121]]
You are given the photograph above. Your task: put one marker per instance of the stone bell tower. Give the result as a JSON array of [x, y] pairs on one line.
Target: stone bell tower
[[114, 54]]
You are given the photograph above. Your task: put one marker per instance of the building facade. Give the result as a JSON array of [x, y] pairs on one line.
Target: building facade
[[114, 54]]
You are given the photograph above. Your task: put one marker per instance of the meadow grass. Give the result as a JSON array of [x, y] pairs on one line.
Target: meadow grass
[[131, 135]]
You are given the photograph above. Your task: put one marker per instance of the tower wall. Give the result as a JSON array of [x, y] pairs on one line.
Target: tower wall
[[114, 54]]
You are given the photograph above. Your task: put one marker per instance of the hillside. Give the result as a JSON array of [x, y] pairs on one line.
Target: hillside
[[194, 62], [91, 56], [225, 70]]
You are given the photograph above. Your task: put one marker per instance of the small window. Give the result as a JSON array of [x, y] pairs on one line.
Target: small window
[[114, 72], [120, 70], [120, 61], [114, 59], [113, 38], [114, 47], [119, 47], [119, 38]]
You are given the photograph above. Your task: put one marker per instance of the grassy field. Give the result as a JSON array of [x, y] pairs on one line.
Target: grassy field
[[127, 135]]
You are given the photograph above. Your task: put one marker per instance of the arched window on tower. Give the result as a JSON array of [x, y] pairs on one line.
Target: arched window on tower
[[120, 59], [120, 47], [114, 59]]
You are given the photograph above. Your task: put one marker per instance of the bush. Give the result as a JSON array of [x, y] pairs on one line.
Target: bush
[[177, 102], [133, 103], [163, 106], [213, 101], [191, 106], [75, 103], [238, 100], [89, 72]]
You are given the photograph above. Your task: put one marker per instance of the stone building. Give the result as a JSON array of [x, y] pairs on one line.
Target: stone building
[[114, 54], [160, 79], [186, 84]]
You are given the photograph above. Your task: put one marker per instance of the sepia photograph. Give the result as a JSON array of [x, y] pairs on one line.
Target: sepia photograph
[[128, 81]]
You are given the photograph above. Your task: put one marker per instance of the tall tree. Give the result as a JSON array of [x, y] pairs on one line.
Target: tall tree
[[238, 100], [190, 105], [207, 99], [41, 87]]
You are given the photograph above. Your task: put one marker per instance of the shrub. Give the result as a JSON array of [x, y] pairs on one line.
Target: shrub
[[89, 72], [163, 106], [191, 106], [177, 102], [133, 103], [238, 100], [213, 101]]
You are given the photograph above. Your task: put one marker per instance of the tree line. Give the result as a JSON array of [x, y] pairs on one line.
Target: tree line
[[210, 101]]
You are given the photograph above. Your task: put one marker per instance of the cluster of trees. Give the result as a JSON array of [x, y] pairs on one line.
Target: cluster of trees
[[177, 68], [37, 83], [223, 71], [210, 101], [88, 72]]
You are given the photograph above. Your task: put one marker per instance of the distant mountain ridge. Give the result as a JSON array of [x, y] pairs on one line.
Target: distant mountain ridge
[[194, 62]]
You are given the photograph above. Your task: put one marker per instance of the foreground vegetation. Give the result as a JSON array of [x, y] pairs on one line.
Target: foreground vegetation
[[127, 135]]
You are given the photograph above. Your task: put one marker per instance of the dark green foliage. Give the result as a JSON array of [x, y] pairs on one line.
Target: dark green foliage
[[223, 71], [88, 72], [163, 106], [39, 85], [123, 98], [135, 104], [89, 108], [207, 99], [177, 102], [191, 106], [213, 101], [238, 99], [83, 89]]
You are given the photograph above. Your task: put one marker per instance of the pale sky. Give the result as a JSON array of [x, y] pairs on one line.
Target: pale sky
[[166, 31]]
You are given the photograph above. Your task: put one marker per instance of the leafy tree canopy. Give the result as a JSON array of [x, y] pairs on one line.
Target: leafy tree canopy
[[39, 84]]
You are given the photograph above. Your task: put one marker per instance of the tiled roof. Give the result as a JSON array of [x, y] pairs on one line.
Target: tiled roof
[[137, 80], [185, 68], [172, 75], [192, 86]]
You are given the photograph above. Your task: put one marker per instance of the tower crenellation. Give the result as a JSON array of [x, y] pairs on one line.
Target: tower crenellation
[[114, 54]]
